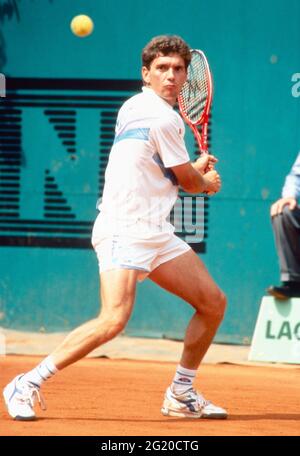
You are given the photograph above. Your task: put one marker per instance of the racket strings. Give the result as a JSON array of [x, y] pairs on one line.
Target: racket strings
[[194, 93]]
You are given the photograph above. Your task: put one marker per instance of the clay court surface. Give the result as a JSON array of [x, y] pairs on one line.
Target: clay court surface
[[103, 397]]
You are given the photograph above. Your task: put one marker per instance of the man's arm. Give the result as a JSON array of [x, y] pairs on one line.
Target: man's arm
[[290, 191], [167, 140], [291, 188], [192, 181]]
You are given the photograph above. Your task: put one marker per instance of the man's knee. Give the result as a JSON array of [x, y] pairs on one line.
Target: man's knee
[[287, 213], [212, 305], [215, 306], [219, 307], [112, 322], [287, 216], [118, 325]]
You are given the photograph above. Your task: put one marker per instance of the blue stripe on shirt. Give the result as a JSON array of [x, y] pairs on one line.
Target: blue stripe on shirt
[[135, 133], [167, 172]]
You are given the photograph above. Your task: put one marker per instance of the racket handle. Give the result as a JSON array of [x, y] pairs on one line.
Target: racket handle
[[204, 136]]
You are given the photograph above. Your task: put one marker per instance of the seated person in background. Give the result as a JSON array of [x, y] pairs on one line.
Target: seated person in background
[[285, 214]]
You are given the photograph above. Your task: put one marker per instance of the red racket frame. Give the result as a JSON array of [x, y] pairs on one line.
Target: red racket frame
[[204, 119]]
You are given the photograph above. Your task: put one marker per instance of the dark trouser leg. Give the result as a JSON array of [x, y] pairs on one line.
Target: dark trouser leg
[[286, 228]]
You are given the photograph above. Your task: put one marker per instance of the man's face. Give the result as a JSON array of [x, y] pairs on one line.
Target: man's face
[[166, 76]]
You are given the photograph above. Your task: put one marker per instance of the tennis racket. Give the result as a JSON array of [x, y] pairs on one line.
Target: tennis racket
[[195, 98]]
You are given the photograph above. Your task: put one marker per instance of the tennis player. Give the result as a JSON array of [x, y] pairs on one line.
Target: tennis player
[[133, 239]]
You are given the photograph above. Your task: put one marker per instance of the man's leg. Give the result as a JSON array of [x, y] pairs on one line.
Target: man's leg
[[118, 289], [287, 237], [187, 277], [286, 227]]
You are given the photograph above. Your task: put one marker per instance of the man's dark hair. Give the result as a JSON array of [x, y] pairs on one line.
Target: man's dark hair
[[165, 45]]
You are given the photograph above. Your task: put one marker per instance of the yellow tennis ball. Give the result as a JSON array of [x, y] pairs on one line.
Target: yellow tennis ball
[[82, 25]]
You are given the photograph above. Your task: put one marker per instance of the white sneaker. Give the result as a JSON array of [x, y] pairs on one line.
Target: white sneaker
[[191, 404], [20, 398]]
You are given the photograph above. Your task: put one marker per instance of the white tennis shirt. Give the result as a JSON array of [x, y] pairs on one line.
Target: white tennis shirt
[[140, 189]]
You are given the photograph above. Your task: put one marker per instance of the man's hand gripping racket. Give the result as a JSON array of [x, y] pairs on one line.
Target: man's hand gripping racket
[[194, 103]]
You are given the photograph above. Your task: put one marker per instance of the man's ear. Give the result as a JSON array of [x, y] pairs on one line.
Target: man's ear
[[146, 75]]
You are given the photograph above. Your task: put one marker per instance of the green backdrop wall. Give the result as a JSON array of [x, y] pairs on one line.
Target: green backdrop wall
[[56, 126]]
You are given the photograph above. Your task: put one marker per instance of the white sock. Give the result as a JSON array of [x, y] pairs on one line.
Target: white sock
[[45, 370], [183, 380]]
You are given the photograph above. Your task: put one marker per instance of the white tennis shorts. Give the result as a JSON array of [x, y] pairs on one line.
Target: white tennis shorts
[[127, 252]]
